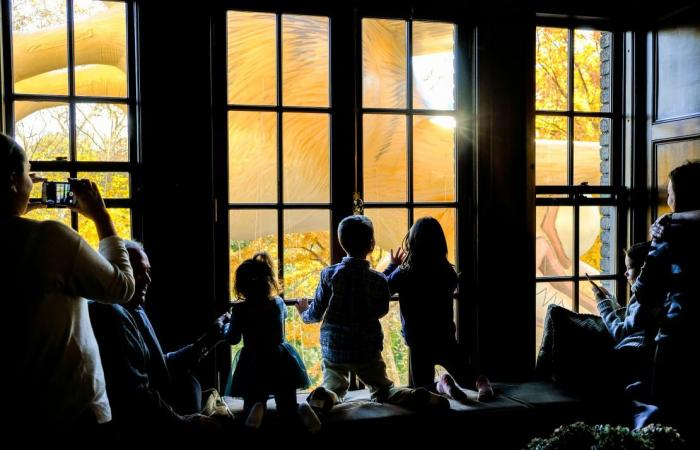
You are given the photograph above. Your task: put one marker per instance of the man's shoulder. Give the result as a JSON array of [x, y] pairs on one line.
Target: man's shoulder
[[101, 313]]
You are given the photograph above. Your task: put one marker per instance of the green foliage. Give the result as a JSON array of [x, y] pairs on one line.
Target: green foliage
[[579, 436]]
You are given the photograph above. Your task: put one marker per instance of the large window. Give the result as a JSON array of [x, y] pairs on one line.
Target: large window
[[578, 168], [280, 161], [69, 98]]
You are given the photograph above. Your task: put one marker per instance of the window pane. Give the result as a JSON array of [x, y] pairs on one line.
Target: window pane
[[250, 231], [395, 353], [390, 227], [41, 128], [122, 221], [305, 46], [111, 184], [252, 58], [591, 80], [554, 241], [434, 159], [558, 293], [592, 150], [306, 151], [252, 157], [383, 63], [307, 250], [551, 155], [306, 339], [100, 48], [102, 132], [433, 65], [551, 68], [446, 217], [587, 303], [40, 47], [384, 157], [597, 246]]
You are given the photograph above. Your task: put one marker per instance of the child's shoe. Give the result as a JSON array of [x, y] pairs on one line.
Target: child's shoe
[[309, 418], [447, 385], [484, 389], [255, 416]]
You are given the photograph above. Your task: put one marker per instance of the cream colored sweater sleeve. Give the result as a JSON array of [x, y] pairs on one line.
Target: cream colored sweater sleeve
[[105, 277]]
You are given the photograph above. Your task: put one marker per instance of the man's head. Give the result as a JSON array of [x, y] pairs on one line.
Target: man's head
[[356, 236], [142, 272]]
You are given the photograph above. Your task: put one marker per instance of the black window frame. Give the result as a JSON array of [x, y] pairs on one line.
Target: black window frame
[[346, 112]]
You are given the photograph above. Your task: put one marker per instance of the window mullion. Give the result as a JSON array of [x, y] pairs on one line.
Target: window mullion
[[280, 153]]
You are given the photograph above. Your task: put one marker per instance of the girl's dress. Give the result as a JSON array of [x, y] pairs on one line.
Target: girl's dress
[[267, 364]]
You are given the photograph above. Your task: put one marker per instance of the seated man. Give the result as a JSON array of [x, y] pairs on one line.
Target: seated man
[[148, 390]]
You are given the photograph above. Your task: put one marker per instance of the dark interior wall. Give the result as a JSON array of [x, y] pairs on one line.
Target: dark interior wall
[[505, 192], [177, 168]]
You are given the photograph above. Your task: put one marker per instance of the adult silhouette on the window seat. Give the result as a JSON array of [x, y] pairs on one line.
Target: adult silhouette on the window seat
[[149, 389], [673, 267]]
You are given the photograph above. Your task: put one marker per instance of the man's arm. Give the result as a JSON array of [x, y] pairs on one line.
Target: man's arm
[[188, 357]]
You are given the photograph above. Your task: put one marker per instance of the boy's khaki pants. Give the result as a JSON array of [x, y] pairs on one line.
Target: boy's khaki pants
[[336, 379]]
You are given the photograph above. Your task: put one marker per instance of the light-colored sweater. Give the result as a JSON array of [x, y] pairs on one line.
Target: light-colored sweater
[[48, 271]]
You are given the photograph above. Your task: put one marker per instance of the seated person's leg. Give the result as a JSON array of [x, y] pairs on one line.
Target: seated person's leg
[[186, 394]]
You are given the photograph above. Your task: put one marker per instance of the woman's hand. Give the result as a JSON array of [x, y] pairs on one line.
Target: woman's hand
[[90, 204], [398, 258], [88, 200]]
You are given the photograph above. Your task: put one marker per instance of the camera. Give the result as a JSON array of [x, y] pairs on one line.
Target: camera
[[57, 194]]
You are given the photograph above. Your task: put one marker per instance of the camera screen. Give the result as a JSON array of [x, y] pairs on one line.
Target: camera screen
[[57, 194]]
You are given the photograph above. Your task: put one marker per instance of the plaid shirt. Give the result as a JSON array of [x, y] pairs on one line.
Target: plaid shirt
[[350, 299]]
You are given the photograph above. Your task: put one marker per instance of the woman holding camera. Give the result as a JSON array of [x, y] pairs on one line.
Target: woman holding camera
[[56, 380]]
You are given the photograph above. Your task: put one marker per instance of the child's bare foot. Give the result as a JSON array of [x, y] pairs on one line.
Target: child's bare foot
[[484, 389], [448, 386]]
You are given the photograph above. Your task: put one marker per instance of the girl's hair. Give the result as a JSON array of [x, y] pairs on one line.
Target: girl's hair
[[638, 253], [685, 180], [255, 279], [425, 246], [12, 159]]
